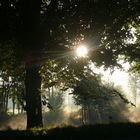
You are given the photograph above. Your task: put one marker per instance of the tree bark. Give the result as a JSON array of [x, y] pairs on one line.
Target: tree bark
[[33, 97], [30, 51]]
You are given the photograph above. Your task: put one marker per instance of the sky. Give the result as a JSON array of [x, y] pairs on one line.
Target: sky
[[120, 79]]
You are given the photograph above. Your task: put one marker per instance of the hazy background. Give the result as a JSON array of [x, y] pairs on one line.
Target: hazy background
[[67, 113]]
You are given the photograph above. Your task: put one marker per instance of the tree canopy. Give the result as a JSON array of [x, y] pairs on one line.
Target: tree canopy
[[58, 25]]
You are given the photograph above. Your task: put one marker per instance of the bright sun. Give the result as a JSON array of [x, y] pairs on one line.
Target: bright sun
[[81, 51]]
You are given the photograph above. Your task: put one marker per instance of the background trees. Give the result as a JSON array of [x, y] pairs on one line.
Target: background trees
[[12, 76], [99, 102]]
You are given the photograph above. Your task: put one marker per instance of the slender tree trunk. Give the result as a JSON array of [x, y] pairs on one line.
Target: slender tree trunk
[[1, 97], [18, 108], [3, 92], [7, 96], [52, 102], [6, 101], [88, 114], [83, 114], [13, 101]]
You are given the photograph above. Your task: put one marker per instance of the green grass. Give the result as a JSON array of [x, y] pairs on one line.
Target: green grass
[[127, 131]]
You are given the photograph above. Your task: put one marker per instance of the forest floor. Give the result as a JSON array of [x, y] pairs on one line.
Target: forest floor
[[116, 131]]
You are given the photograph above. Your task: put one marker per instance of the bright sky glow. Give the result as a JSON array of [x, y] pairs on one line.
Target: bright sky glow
[[81, 51], [120, 78]]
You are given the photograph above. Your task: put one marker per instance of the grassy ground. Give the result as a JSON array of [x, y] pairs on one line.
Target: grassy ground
[[117, 131]]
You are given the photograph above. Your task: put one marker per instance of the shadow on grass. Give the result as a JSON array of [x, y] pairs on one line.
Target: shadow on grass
[[119, 131]]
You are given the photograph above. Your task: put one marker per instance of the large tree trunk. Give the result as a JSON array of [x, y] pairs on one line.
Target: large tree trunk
[[33, 97], [31, 43]]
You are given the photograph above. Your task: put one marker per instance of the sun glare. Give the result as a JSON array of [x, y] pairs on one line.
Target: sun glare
[[81, 51]]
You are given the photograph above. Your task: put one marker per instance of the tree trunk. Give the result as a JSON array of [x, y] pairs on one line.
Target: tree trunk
[[6, 101], [33, 97], [2, 98], [13, 101], [7, 96], [30, 51]]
